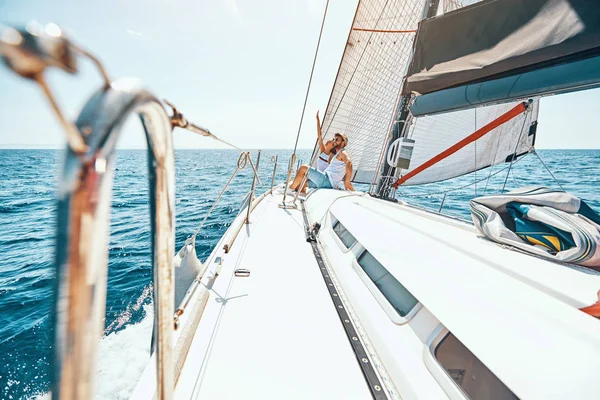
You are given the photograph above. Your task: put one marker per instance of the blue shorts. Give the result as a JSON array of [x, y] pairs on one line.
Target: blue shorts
[[318, 179]]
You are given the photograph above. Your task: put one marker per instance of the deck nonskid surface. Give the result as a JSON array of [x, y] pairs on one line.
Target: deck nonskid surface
[[280, 336]]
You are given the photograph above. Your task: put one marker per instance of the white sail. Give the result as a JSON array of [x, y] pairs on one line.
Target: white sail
[[366, 90], [434, 134]]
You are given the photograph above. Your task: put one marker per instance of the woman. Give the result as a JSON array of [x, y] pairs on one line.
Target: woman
[[328, 149]]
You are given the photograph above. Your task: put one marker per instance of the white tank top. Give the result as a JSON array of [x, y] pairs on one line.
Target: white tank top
[[322, 162], [336, 172]]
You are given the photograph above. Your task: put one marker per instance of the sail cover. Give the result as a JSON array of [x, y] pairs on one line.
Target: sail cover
[[434, 134], [542, 221], [369, 80], [498, 38]]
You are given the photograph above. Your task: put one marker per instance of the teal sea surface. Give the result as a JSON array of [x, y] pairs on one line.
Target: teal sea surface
[[28, 181]]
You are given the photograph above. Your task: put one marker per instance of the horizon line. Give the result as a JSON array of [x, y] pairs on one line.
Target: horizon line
[[34, 147], [17, 147]]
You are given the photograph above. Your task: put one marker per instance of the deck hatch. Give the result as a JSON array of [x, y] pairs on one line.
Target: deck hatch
[[468, 372], [346, 237], [395, 293]]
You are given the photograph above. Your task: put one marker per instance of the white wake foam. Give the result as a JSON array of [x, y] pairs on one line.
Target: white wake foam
[[122, 357]]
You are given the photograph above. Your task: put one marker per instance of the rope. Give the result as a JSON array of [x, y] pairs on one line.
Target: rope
[[384, 31], [242, 162]]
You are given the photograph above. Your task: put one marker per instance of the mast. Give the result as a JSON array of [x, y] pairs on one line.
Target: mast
[[402, 114]]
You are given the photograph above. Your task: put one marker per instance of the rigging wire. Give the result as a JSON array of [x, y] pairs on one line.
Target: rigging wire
[[493, 165], [512, 173], [459, 187], [547, 169], [311, 76], [475, 144], [291, 166], [514, 155]]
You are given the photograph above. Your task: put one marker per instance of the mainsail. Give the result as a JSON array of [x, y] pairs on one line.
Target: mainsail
[[369, 79]]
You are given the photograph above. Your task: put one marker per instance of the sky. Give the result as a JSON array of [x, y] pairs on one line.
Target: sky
[[237, 67]]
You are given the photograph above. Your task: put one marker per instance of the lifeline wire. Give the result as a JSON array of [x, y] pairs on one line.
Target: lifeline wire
[[241, 164]]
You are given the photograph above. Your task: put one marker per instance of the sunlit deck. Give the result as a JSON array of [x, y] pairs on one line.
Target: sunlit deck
[[279, 335]]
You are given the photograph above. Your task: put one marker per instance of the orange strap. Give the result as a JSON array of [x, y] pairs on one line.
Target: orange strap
[[382, 30], [594, 309], [507, 116]]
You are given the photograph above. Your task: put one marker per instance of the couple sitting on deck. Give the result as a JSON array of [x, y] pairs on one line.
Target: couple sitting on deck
[[333, 165]]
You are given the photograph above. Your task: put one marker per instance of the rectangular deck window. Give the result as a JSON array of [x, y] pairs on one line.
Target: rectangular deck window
[[345, 236], [473, 377], [398, 296]]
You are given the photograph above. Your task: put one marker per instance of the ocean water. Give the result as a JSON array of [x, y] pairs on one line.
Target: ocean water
[[27, 217]]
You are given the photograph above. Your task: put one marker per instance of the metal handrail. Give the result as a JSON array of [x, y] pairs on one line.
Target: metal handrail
[[274, 161], [84, 209], [287, 180], [253, 186]]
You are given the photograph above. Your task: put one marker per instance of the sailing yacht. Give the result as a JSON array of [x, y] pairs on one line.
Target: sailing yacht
[[341, 294], [344, 295]]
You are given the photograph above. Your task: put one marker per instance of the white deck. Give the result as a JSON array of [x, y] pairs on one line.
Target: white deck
[[279, 335], [276, 333]]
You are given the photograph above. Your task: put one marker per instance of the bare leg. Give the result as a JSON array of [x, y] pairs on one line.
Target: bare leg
[[299, 176], [304, 185]]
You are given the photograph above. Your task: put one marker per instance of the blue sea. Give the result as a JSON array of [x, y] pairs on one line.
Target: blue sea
[[27, 217]]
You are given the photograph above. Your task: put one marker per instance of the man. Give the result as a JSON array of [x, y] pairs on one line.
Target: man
[[339, 170]]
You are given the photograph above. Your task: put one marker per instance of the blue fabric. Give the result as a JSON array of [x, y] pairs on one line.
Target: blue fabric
[[318, 179], [562, 78], [587, 212], [538, 232]]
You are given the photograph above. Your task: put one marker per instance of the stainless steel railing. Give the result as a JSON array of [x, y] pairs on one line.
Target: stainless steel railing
[[84, 207]]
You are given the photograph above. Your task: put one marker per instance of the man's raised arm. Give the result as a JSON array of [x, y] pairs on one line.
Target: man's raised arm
[[320, 135]]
